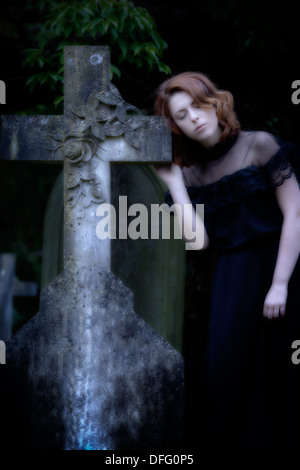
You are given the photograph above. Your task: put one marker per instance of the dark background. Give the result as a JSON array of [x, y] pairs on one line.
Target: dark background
[[248, 47]]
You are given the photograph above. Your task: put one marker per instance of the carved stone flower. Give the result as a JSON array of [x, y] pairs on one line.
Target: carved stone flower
[[108, 115], [105, 115], [78, 149]]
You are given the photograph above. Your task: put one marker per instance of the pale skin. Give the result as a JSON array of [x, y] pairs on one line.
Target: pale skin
[[202, 125]]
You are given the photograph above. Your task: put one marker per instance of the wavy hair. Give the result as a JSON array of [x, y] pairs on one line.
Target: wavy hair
[[205, 94]]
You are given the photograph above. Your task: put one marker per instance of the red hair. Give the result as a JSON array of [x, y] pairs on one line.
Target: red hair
[[204, 93]]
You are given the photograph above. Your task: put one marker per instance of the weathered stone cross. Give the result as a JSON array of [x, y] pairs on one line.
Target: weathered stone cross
[[86, 372]]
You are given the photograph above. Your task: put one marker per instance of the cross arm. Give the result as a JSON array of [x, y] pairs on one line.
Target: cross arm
[[151, 143], [37, 138], [31, 138]]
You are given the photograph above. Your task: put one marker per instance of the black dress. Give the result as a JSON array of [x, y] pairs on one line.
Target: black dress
[[251, 385]]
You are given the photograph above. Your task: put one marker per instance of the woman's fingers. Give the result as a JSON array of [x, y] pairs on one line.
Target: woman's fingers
[[274, 311], [275, 301]]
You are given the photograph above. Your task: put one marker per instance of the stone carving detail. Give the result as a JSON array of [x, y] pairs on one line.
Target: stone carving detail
[[105, 114]]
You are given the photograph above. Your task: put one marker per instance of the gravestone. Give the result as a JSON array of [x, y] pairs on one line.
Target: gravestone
[[87, 373], [154, 270], [53, 233]]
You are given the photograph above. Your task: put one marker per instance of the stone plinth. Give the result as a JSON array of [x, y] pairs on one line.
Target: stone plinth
[[90, 374]]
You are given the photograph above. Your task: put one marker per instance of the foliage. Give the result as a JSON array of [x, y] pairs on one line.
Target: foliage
[[129, 31]]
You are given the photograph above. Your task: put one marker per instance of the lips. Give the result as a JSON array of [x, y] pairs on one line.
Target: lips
[[198, 128]]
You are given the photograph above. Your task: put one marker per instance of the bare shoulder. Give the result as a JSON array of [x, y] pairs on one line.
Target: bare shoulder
[[263, 138], [262, 146]]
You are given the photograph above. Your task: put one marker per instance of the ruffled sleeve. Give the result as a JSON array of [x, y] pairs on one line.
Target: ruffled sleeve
[[283, 164], [278, 160]]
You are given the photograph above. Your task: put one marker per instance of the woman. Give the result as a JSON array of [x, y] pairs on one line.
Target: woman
[[248, 184]]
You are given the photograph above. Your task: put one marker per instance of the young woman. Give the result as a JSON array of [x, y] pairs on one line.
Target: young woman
[[248, 184]]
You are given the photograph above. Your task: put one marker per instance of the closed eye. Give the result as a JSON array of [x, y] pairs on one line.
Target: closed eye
[[180, 116]]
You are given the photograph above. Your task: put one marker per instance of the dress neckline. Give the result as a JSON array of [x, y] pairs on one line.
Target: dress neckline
[[284, 148], [220, 149]]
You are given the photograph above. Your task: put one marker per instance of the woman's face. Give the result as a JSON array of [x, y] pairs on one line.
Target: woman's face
[[200, 124]]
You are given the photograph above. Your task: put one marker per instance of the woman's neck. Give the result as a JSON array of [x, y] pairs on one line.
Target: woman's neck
[[213, 139]]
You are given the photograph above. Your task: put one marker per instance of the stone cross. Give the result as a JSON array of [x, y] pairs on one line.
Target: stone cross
[[86, 372]]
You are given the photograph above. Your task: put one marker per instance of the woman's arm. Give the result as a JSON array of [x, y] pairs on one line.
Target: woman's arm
[[288, 197], [189, 220]]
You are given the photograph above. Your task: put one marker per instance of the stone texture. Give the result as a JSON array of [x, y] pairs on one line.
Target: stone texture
[[86, 372], [154, 270], [93, 374]]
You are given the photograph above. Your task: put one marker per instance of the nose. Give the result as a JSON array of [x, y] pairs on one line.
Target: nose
[[193, 115]]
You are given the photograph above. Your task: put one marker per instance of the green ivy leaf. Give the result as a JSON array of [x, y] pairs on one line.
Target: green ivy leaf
[[118, 23], [114, 70], [58, 100], [123, 46]]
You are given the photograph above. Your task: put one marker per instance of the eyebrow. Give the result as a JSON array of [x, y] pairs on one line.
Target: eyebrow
[[183, 109], [179, 111]]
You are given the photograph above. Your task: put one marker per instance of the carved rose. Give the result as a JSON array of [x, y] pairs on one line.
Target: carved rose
[[105, 114], [77, 150]]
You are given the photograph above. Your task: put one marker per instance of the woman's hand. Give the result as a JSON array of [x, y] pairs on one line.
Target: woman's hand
[[288, 197], [169, 174], [275, 301]]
